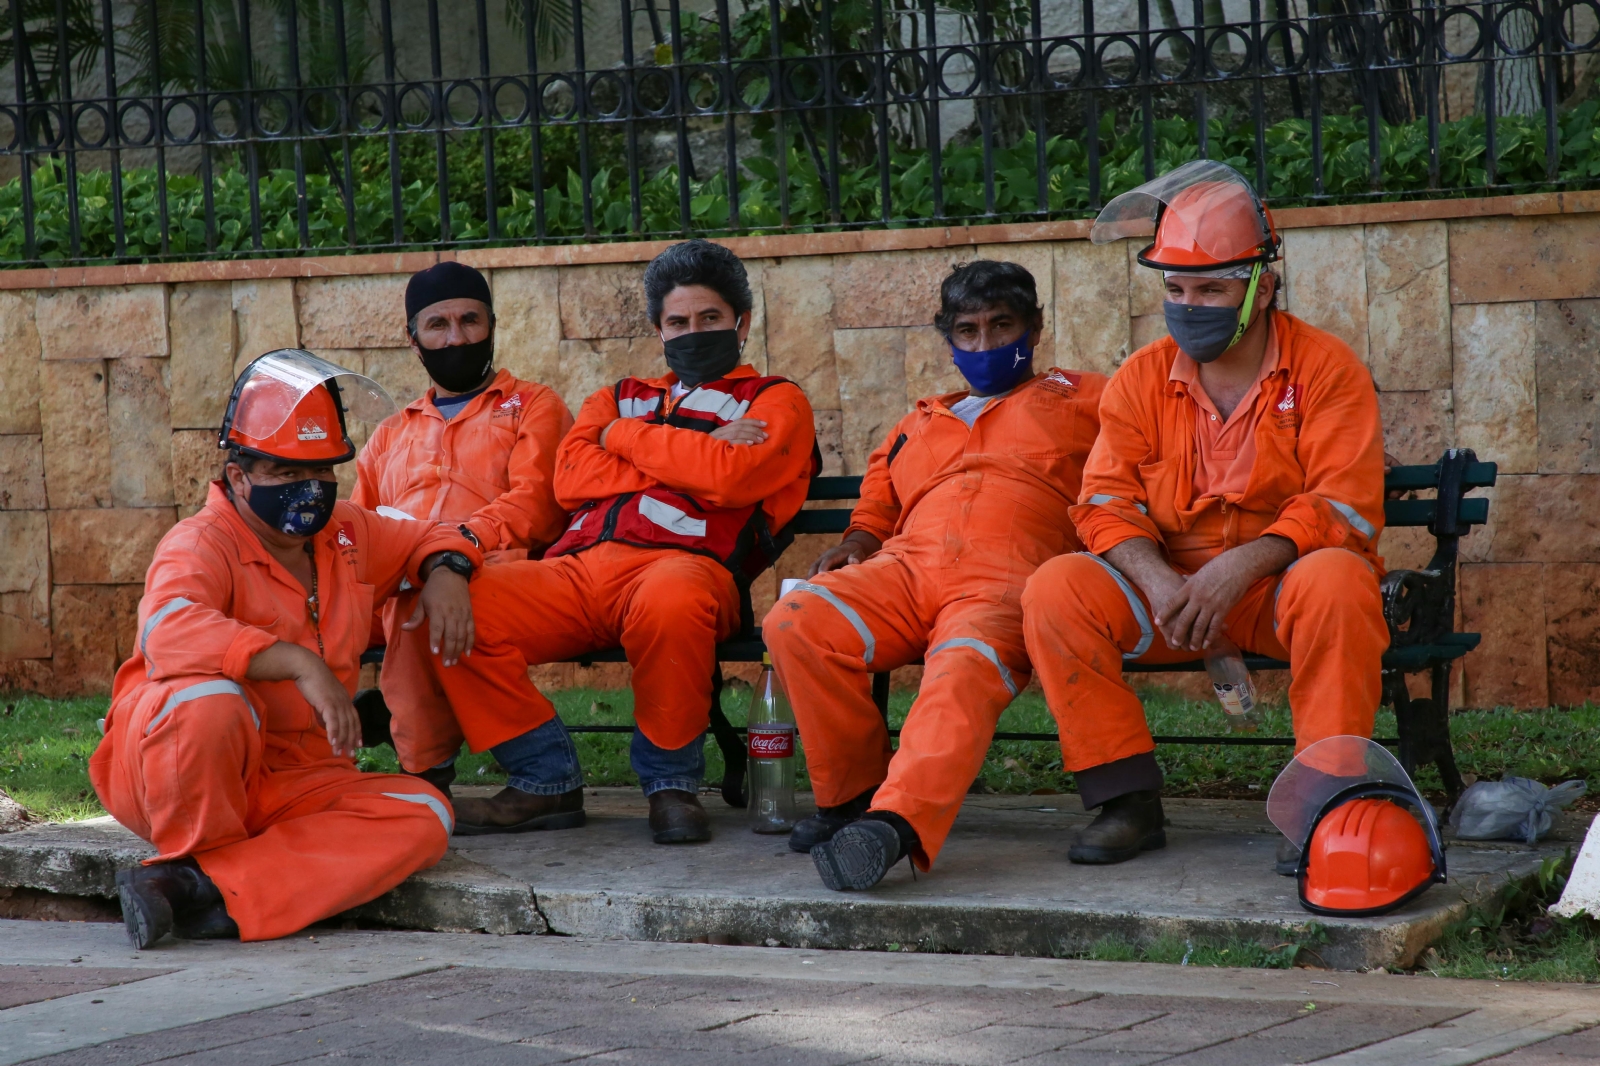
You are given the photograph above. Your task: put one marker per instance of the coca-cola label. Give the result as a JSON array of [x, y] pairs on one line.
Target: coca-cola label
[[774, 740]]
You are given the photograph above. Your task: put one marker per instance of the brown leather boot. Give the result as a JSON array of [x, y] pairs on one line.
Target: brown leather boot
[[676, 817], [440, 777], [514, 811], [1124, 827]]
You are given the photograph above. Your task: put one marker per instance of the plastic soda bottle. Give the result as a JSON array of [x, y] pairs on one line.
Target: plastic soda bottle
[[1230, 678], [771, 740]]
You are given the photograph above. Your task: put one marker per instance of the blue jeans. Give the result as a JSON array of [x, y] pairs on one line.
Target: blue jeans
[[543, 762]]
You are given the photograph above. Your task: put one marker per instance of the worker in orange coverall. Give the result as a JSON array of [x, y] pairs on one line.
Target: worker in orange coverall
[[231, 728], [477, 451], [1235, 494], [677, 486], [964, 498]]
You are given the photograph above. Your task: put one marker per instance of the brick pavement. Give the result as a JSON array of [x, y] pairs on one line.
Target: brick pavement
[[491, 1016]]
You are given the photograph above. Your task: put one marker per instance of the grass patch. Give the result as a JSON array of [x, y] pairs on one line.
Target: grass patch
[[44, 754], [1519, 939]]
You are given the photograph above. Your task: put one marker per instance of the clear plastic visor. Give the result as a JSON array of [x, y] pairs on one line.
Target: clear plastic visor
[[273, 386], [1326, 768], [1212, 218]]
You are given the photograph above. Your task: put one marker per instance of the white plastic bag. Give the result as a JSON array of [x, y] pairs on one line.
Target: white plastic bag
[[1514, 808]]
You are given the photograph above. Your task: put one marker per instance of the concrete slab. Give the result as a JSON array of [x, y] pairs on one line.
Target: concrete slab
[[458, 895], [1002, 886]]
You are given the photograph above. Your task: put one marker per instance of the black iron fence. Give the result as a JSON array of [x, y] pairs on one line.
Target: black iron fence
[[159, 129]]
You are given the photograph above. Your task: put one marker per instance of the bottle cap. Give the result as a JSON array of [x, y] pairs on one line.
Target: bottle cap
[[766, 658]]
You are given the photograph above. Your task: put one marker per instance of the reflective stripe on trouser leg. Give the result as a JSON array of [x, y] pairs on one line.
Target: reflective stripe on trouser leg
[[200, 691], [982, 649], [431, 802], [1147, 633], [850, 616]]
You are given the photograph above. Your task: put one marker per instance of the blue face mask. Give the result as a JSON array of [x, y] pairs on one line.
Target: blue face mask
[[998, 369], [298, 508]]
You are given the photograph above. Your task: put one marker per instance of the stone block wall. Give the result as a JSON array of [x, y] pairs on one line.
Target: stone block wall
[[1480, 321]]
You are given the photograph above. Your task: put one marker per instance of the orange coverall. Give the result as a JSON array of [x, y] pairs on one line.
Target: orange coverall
[[1317, 480], [666, 607], [490, 468], [965, 516], [239, 774]]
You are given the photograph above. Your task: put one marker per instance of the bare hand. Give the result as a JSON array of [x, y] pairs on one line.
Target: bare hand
[[744, 431], [331, 704], [1389, 463], [1197, 614], [856, 548], [447, 605]]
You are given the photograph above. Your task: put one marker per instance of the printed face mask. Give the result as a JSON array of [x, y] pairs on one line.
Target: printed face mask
[[459, 367], [298, 508], [704, 356], [1204, 333], [998, 369]]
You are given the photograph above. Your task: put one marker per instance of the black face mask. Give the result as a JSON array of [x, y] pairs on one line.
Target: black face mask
[[298, 508], [701, 357], [459, 367]]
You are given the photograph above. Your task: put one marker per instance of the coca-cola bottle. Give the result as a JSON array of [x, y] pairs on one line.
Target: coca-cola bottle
[[771, 739]]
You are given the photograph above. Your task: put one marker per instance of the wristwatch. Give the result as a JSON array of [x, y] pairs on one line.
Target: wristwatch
[[454, 562]]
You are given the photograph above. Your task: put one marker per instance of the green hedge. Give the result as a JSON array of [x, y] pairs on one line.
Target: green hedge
[[1345, 175]]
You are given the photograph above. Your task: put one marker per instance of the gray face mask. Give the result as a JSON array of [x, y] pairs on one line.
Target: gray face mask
[[1204, 333]]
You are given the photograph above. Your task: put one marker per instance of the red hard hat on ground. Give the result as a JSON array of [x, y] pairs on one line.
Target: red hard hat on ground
[[1207, 217], [1366, 856], [1344, 802], [290, 406]]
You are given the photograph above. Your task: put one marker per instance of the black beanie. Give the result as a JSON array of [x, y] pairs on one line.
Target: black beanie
[[445, 281]]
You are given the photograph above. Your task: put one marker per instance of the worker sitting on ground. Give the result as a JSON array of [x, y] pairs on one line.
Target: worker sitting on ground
[[962, 500], [1235, 493], [478, 452], [678, 484], [228, 743]]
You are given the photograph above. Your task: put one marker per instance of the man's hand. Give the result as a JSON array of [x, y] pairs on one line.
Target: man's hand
[[1141, 562], [857, 547], [744, 431], [1197, 614], [1389, 463], [317, 683], [447, 605]]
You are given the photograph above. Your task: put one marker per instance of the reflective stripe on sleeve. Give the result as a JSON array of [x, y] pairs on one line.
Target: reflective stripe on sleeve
[[633, 407], [1354, 518], [1100, 499], [982, 649], [432, 803], [1147, 633], [157, 618], [200, 691], [850, 616]]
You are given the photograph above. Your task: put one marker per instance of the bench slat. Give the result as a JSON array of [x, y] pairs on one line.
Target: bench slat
[[836, 520], [1474, 512], [1475, 476]]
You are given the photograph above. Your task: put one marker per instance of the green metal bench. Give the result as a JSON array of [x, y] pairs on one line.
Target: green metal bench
[[1419, 606]]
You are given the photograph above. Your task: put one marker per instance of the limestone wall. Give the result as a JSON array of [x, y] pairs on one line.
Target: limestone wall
[[1480, 320]]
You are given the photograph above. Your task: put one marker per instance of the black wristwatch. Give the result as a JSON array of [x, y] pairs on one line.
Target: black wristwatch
[[454, 562]]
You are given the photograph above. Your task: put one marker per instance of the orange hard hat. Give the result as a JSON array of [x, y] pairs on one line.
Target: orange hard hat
[[1209, 225], [1366, 856], [289, 406]]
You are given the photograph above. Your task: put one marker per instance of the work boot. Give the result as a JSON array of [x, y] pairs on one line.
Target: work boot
[[858, 855], [213, 923], [374, 715], [676, 817], [441, 778], [1124, 827], [155, 897], [813, 830], [513, 811], [1287, 862]]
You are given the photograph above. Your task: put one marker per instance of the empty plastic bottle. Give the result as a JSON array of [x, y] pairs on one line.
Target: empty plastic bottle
[[771, 741], [1230, 678]]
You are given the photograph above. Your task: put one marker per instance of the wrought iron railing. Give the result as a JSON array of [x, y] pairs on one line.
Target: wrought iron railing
[[164, 129]]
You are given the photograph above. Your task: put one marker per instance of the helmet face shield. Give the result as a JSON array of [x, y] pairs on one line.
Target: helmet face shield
[[1368, 840], [1204, 214], [271, 387]]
